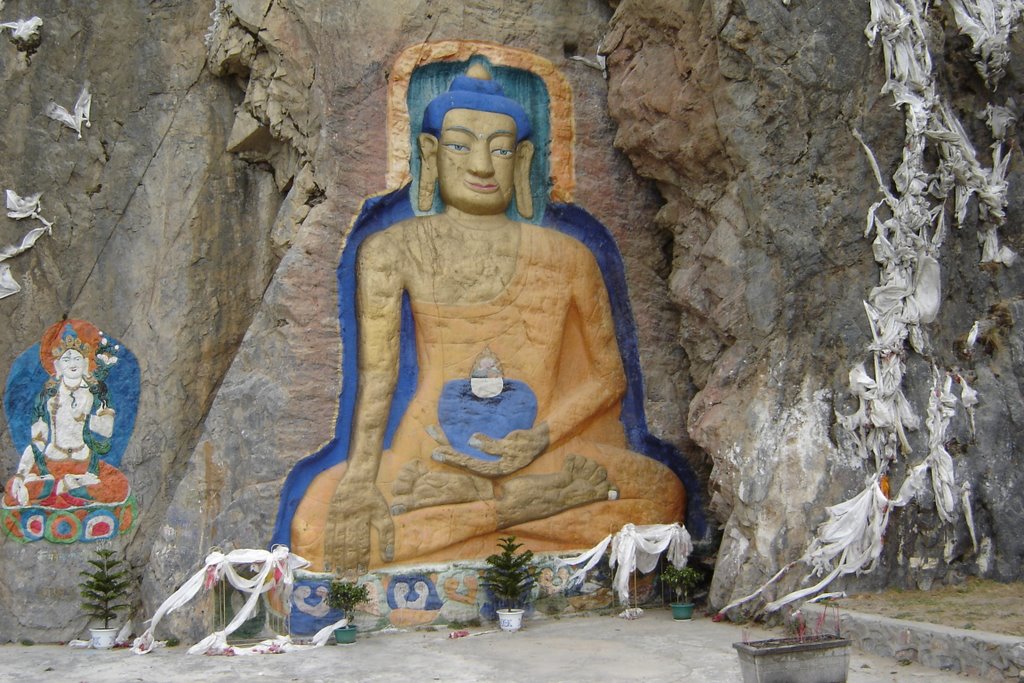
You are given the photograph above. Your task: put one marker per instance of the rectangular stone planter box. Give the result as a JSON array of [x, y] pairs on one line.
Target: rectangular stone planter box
[[812, 659]]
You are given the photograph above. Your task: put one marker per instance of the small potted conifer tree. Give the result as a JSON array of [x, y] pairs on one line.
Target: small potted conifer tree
[[345, 595], [510, 577], [103, 591]]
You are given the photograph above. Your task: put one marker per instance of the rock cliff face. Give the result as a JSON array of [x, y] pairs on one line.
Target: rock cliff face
[[201, 216], [160, 235], [745, 113]]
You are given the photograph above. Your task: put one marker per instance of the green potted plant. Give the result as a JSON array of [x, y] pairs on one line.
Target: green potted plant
[[345, 595], [682, 580], [103, 590], [509, 577]]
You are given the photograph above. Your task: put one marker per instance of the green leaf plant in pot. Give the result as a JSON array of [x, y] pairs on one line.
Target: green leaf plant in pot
[[509, 577], [682, 580], [345, 595], [103, 589]]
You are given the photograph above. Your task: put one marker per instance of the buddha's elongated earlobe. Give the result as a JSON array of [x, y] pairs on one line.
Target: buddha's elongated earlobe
[[521, 177], [428, 171]]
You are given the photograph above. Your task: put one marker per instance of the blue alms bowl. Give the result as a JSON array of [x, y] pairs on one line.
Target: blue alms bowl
[[463, 414]]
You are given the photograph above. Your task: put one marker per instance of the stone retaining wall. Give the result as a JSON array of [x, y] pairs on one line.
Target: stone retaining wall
[[993, 656]]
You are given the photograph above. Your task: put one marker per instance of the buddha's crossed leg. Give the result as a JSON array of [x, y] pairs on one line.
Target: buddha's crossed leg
[[518, 499]]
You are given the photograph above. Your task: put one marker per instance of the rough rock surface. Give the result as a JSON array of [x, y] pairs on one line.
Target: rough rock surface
[[201, 217], [160, 236], [200, 220], [743, 112]]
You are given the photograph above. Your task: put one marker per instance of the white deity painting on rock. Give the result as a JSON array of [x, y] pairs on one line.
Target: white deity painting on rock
[[70, 403]]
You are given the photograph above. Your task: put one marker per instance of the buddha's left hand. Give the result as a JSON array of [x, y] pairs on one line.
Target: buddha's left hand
[[515, 451], [70, 482]]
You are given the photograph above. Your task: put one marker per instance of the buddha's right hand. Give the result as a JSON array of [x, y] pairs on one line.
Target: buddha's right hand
[[356, 508], [18, 490], [515, 451]]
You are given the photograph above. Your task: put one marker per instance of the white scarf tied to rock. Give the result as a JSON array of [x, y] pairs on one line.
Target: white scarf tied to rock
[[19, 207], [906, 246]]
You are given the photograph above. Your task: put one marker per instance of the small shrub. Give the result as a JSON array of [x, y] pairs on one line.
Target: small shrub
[[345, 595], [682, 581]]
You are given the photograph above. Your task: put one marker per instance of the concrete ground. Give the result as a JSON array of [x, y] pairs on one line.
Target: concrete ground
[[652, 649]]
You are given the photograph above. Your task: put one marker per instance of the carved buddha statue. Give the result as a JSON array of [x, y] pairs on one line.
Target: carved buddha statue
[[528, 299]]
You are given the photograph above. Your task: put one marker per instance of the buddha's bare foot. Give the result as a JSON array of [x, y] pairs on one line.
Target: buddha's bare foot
[[417, 487], [536, 496]]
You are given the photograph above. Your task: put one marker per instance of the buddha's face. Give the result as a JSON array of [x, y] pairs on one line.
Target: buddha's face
[[476, 161], [71, 365]]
